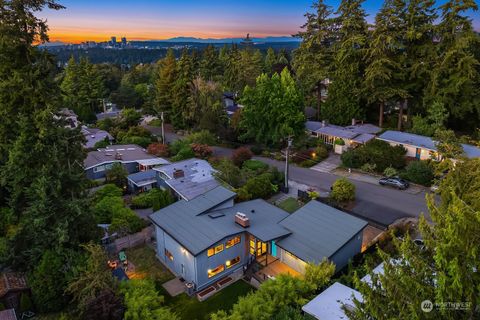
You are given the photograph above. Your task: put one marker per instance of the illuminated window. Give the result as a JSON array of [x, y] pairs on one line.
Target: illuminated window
[[233, 241], [231, 263], [252, 247], [168, 254], [219, 248], [211, 252], [217, 270]]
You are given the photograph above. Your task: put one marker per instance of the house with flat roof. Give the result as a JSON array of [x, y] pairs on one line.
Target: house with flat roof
[[187, 179], [134, 158], [421, 147], [142, 181], [355, 134], [208, 238], [94, 135]]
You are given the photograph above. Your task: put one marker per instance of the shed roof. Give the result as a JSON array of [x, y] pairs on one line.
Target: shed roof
[[328, 304], [128, 153], [10, 281], [318, 231], [143, 177], [94, 135], [197, 225]]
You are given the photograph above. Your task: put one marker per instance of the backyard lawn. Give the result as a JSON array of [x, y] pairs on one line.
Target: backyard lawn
[[147, 265], [189, 308], [290, 205]]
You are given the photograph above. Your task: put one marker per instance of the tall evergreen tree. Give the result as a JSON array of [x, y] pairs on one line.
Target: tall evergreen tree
[[344, 94], [313, 58], [232, 70], [210, 65], [165, 78], [181, 90], [270, 60]]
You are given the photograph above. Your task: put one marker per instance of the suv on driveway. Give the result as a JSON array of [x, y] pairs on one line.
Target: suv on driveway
[[394, 182]]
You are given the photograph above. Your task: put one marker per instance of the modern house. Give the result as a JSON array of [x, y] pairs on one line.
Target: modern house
[[355, 134], [209, 238], [94, 135], [187, 179], [142, 181], [421, 147], [134, 158]]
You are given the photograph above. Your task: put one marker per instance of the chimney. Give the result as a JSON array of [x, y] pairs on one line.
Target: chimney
[[178, 174], [242, 219], [354, 122]]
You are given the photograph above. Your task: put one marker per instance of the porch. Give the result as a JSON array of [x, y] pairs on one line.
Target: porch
[[273, 268]]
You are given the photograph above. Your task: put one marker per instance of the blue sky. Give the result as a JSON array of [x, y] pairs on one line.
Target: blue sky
[[160, 19]]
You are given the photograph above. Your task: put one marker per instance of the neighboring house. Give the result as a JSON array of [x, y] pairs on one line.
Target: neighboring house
[[229, 101], [206, 239], [329, 304], [142, 181], [94, 135], [188, 178], [8, 314], [355, 134], [110, 111], [12, 286], [421, 147], [134, 158]]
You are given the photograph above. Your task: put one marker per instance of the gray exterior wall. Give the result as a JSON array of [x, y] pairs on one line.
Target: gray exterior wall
[[294, 263], [348, 251], [203, 262], [131, 167]]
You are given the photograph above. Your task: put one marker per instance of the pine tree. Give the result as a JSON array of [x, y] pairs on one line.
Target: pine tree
[[344, 94], [165, 78], [313, 58], [270, 60], [181, 90], [210, 64], [232, 70]]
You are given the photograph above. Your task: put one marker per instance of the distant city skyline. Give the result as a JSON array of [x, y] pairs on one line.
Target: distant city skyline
[[89, 20]]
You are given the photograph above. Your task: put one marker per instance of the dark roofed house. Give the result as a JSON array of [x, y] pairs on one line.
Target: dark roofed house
[[142, 181], [134, 158], [209, 238], [12, 286], [356, 134], [94, 135]]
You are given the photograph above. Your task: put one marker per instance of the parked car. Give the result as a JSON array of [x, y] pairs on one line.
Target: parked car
[[394, 182]]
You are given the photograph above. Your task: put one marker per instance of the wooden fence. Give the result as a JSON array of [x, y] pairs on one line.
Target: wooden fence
[[131, 240]]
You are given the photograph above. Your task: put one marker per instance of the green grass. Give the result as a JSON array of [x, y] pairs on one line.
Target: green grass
[[189, 308], [147, 264], [290, 205]]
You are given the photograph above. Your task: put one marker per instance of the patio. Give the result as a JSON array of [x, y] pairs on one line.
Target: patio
[[275, 268]]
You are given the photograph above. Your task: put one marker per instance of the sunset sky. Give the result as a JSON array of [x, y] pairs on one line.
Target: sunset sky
[[162, 19]]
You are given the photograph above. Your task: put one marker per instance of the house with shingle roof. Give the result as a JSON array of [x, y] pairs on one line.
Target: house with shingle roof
[[208, 238], [12, 286]]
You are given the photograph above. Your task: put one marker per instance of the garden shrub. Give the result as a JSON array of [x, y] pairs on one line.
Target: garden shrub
[[376, 152], [390, 172], [259, 187], [255, 165], [339, 142], [158, 149], [108, 190], [420, 172], [155, 198], [343, 191], [202, 151], [241, 155], [369, 167], [256, 150], [307, 163], [202, 137], [184, 153]]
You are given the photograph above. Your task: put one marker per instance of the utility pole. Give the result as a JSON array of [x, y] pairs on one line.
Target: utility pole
[[163, 129], [287, 155]]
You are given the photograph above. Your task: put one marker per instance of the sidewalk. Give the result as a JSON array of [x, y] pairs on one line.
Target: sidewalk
[[358, 176]]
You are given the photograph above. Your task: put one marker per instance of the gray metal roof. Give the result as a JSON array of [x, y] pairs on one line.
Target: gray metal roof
[[94, 135], [416, 140], [318, 231], [128, 152], [143, 177], [359, 132], [190, 222], [197, 179]]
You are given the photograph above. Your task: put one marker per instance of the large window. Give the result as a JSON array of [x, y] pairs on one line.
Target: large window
[[233, 241], [231, 263], [215, 250], [217, 270], [168, 254]]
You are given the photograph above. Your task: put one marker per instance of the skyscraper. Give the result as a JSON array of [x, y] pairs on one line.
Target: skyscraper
[[114, 40], [124, 41]]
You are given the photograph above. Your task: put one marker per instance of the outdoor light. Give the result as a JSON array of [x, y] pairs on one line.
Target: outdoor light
[[314, 154], [228, 263]]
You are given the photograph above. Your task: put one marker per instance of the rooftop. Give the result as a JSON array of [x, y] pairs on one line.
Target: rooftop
[[94, 135], [122, 153], [359, 132], [196, 179], [143, 178], [416, 140], [318, 231], [12, 281], [201, 222], [328, 304]]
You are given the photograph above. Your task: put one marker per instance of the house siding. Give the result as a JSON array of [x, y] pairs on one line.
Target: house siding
[[204, 263], [348, 251], [412, 150], [131, 167]]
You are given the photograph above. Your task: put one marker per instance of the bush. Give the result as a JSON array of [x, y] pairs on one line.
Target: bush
[[390, 172], [343, 191], [420, 172], [376, 152], [369, 167], [154, 198], [117, 175], [339, 142], [106, 207], [158, 149], [202, 151], [108, 190], [258, 187], [126, 221], [307, 163], [228, 172], [266, 154], [255, 165], [321, 152], [102, 143], [25, 303], [184, 153], [257, 150], [202, 137], [241, 155], [141, 141]]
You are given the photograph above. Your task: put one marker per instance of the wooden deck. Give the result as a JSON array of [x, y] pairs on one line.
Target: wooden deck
[[274, 269]]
